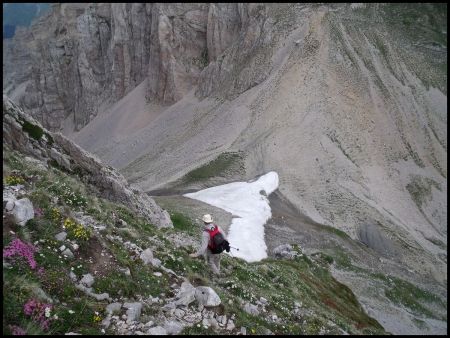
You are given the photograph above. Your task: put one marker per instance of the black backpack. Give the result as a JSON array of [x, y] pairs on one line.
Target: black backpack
[[217, 243]]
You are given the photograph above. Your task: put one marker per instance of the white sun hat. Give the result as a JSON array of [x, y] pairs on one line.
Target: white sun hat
[[207, 218]]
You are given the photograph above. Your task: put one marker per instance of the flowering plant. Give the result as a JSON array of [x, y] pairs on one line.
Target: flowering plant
[[97, 318], [21, 249], [14, 180], [38, 212], [39, 312], [17, 331], [55, 214], [76, 230]]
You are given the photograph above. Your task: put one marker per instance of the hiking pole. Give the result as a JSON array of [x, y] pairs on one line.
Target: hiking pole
[[232, 247]]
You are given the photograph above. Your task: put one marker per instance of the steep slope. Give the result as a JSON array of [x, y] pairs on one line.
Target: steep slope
[[21, 132], [351, 121], [346, 102], [87, 263]]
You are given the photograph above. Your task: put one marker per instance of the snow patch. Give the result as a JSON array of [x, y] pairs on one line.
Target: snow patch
[[251, 209]]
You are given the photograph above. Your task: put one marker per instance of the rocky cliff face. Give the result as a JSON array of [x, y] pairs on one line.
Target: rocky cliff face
[[76, 60]]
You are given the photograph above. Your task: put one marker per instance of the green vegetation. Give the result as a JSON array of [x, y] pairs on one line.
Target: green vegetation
[[34, 131], [182, 223], [420, 189], [281, 282], [225, 162], [416, 299]]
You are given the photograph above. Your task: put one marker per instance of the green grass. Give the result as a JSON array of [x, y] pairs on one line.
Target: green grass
[[216, 168], [416, 299], [34, 131], [183, 223]]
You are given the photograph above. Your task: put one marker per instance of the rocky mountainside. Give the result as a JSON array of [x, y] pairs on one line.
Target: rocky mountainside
[[22, 133], [352, 119], [79, 258], [346, 102]]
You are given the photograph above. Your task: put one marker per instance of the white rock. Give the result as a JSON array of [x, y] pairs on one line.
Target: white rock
[[87, 280], [206, 296], [133, 312], [213, 323], [101, 296], [62, 248], [230, 325], [157, 274], [186, 294], [61, 236], [113, 308], [224, 319], [106, 322], [251, 309], [179, 313], [22, 211], [68, 253], [205, 322], [10, 202], [157, 330], [73, 276], [156, 262], [147, 256], [173, 327]]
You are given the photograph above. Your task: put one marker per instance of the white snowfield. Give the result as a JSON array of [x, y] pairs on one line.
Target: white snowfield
[[251, 209]]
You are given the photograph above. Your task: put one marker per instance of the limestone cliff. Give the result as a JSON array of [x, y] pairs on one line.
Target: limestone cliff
[[78, 59]]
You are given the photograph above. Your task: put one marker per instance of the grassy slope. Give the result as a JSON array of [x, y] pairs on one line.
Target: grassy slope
[[327, 306], [324, 300]]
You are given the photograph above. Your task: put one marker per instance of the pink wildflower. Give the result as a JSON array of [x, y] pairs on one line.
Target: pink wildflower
[[17, 331], [36, 310], [38, 212], [21, 249]]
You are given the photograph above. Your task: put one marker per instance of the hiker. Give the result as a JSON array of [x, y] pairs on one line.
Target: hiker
[[214, 242]]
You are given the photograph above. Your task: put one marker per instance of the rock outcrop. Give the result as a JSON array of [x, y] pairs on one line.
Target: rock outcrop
[[23, 133], [79, 58]]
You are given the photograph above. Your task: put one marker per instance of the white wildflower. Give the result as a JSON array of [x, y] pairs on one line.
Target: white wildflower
[[47, 312], [71, 312]]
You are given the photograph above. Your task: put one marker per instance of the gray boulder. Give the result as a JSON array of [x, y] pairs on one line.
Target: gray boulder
[[61, 236], [87, 280], [147, 256], [230, 325], [251, 309], [113, 308], [186, 294], [8, 204], [157, 330], [206, 296], [133, 312], [22, 211], [173, 327], [68, 253], [61, 159], [285, 251]]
